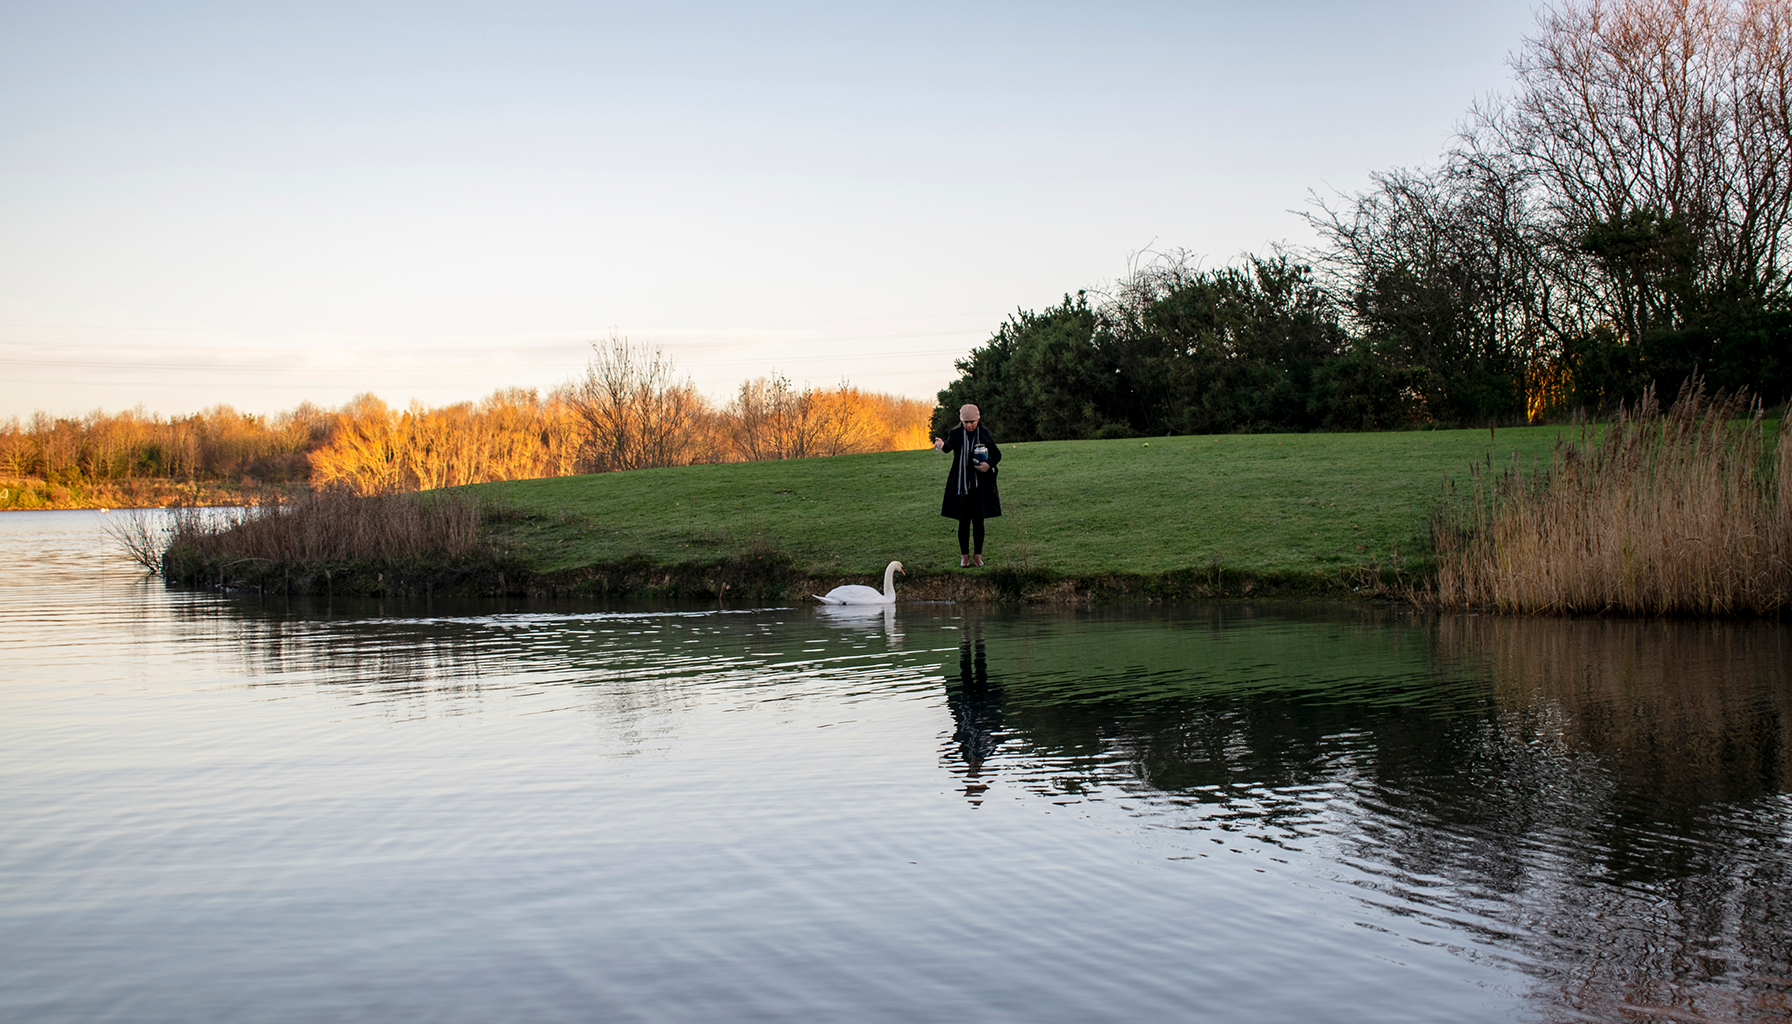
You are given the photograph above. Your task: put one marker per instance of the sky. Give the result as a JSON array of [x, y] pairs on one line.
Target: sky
[[259, 205]]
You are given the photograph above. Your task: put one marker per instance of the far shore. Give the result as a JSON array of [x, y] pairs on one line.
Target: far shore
[[33, 495]]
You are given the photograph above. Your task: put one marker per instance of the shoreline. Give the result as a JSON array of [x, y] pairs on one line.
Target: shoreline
[[1332, 516], [147, 493], [777, 578]]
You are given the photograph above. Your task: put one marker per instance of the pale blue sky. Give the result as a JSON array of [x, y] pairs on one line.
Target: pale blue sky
[[239, 203]]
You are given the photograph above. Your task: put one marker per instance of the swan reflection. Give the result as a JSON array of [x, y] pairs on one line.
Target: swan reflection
[[862, 616]]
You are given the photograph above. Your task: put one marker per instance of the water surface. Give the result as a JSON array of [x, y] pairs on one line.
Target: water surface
[[223, 809]]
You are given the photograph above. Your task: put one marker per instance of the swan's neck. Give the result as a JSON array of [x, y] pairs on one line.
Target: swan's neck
[[890, 581]]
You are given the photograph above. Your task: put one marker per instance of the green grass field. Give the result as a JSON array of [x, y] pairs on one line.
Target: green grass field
[[1279, 506]]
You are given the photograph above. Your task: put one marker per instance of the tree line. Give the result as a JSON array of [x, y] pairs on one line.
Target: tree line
[[1618, 223], [629, 410]]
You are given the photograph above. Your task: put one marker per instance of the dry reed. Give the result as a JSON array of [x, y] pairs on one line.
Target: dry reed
[[328, 526], [1684, 513]]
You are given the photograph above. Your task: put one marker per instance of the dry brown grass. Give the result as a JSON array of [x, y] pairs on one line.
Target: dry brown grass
[[325, 527], [1684, 513]]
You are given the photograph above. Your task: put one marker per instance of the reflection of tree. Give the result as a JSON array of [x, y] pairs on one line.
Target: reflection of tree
[[383, 662], [976, 706], [1660, 877], [1607, 802], [390, 666]]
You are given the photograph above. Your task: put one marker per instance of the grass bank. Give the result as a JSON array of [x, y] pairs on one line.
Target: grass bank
[[1208, 516], [1226, 515]]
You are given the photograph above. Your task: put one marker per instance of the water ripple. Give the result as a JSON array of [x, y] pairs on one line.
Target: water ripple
[[229, 809]]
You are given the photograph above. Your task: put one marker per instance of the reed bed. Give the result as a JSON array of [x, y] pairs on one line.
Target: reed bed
[[330, 526], [1683, 513]]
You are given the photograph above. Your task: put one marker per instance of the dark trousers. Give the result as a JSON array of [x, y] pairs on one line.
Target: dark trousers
[[970, 527]]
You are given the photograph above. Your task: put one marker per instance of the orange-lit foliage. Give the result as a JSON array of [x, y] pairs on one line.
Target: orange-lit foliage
[[1548, 386], [218, 443], [769, 419], [513, 434], [634, 413]]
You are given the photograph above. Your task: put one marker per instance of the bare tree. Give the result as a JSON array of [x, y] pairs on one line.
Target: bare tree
[[759, 419], [770, 418], [58, 443], [1666, 125], [106, 451], [18, 452], [559, 433], [634, 412], [143, 536], [1629, 202], [366, 449], [840, 421], [1445, 269]]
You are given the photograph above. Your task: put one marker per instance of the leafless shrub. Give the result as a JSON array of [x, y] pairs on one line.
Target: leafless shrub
[[634, 411], [772, 419], [1687, 513], [143, 539]]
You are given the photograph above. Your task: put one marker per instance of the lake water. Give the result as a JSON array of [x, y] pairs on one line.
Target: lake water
[[223, 809]]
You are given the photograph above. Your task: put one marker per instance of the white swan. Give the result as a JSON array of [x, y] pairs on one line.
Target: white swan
[[853, 593]]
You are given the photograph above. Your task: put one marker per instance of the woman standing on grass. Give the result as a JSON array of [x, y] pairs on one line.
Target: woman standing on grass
[[971, 486]]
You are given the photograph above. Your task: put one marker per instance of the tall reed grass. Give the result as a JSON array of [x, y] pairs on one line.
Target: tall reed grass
[[1684, 513], [323, 527]]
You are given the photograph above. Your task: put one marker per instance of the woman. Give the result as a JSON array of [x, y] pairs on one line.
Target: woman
[[971, 486]]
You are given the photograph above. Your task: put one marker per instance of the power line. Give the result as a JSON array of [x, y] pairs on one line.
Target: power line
[[261, 368], [762, 325], [674, 347], [360, 386]]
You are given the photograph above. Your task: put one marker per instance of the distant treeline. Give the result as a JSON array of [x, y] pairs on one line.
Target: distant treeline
[[628, 411], [1620, 221]]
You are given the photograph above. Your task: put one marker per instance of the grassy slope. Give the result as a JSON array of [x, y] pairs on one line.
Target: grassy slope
[[1278, 505]]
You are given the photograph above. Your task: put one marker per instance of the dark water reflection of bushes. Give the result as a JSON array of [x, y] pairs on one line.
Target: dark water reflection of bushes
[[1670, 744], [1608, 800]]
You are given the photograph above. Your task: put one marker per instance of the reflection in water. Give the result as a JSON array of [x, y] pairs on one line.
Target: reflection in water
[[860, 616], [566, 813], [1651, 762], [1604, 804], [1601, 805], [976, 706]]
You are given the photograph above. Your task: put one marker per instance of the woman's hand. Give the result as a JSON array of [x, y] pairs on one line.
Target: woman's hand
[[939, 444], [981, 467]]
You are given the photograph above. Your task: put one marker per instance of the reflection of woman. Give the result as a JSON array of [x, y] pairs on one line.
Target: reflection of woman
[[971, 485], [976, 708]]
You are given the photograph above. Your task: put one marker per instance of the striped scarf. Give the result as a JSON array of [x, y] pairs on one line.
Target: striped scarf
[[965, 480]]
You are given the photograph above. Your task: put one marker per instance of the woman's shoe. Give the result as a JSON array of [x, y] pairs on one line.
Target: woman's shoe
[[978, 559], [964, 561]]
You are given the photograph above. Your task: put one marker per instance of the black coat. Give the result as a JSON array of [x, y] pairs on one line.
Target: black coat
[[983, 485]]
